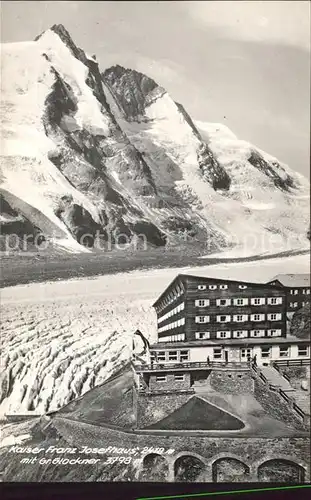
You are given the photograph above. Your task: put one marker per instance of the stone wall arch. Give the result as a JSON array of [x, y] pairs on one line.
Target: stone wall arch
[[281, 456], [284, 470], [153, 467], [189, 468], [214, 458], [230, 469], [189, 453]]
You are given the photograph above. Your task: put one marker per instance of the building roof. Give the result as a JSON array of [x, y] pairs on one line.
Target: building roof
[[290, 339], [292, 280], [182, 277]]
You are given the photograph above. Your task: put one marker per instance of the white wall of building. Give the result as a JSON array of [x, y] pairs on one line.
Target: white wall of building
[[200, 354]]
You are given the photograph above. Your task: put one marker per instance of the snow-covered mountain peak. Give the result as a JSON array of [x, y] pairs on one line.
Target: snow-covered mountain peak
[[85, 151], [134, 91], [64, 36]]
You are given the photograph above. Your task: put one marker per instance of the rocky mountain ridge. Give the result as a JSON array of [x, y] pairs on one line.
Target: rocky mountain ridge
[[90, 154]]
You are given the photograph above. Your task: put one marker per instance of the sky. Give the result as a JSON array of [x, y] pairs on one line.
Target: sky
[[245, 64]]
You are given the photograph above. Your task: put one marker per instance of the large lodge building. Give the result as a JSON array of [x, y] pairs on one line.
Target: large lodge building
[[208, 322]]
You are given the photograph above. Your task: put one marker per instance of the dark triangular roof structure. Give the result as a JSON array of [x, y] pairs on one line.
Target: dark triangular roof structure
[[292, 280], [198, 414]]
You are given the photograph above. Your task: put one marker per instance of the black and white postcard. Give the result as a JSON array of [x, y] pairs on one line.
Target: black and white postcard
[[155, 242]]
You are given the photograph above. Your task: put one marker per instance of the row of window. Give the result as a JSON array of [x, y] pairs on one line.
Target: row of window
[[172, 312], [221, 287], [172, 325], [181, 378], [179, 289], [284, 351], [239, 334], [173, 338], [171, 297], [296, 304], [169, 356], [245, 353], [265, 352], [176, 378], [240, 318], [255, 301]]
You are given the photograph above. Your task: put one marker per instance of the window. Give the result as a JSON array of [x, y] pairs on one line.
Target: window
[[223, 287], [257, 301], [161, 378], [179, 377], [217, 353], [223, 302], [246, 352], [240, 317], [265, 352], [257, 317], [202, 319], [275, 300], [184, 355], [294, 292], [257, 333], [302, 351], [307, 291], [274, 317], [202, 335], [212, 287], [223, 319], [172, 356], [224, 334], [202, 302], [284, 351], [160, 356], [201, 287], [274, 333], [240, 334], [242, 287], [293, 304], [240, 302]]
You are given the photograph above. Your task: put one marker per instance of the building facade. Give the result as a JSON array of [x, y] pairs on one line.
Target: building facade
[[196, 308], [207, 326], [297, 287]]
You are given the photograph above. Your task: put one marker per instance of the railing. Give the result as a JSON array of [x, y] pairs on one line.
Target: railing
[[191, 365], [150, 392], [288, 399], [281, 373], [299, 410], [265, 380], [291, 362], [285, 396]]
